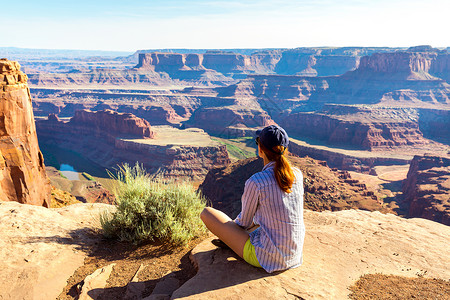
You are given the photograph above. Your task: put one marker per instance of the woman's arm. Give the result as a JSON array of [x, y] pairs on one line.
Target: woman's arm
[[249, 201]]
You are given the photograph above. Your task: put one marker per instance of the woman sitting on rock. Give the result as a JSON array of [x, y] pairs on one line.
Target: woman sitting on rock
[[272, 200]]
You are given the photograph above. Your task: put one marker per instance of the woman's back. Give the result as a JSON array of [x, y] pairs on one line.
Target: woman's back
[[279, 239]]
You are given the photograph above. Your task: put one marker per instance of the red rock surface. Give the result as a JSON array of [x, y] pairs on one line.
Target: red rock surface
[[410, 65], [364, 128], [109, 138], [100, 78], [222, 120], [427, 188], [22, 171], [108, 122], [301, 61]]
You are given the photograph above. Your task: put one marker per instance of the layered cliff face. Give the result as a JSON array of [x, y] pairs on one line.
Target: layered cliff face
[[435, 124], [412, 78], [361, 127], [325, 189], [220, 120], [96, 78], [201, 68], [108, 122], [427, 188], [221, 62], [109, 139], [301, 61], [157, 107], [22, 170], [314, 63], [406, 65]]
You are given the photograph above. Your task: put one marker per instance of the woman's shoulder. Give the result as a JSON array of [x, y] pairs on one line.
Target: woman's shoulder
[[261, 178]]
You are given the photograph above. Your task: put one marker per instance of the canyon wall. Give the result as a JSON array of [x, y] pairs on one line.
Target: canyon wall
[[112, 124], [408, 77], [435, 124], [389, 79], [300, 61], [358, 127], [427, 188], [342, 161], [100, 78], [221, 120], [22, 171], [406, 65], [172, 161], [109, 139]]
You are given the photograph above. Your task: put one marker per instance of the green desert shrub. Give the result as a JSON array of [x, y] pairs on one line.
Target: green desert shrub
[[150, 209]]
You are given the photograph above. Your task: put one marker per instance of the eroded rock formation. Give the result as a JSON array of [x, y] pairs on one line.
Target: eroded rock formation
[[100, 78], [427, 188], [110, 138], [300, 61], [22, 170], [361, 127], [111, 123]]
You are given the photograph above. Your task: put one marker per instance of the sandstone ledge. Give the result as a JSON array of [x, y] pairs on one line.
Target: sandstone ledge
[[40, 248], [339, 248]]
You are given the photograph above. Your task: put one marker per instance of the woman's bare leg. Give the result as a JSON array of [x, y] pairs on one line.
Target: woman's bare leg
[[225, 229]]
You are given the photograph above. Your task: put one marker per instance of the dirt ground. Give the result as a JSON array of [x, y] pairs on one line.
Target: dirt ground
[[160, 259], [378, 286]]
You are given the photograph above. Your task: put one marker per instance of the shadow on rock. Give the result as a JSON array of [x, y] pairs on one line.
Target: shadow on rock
[[82, 238], [218, 269]]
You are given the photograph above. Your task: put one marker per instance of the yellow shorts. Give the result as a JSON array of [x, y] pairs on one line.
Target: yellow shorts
[[250, 255]]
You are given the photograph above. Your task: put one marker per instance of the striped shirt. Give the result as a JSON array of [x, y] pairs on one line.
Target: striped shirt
[[279, 239]]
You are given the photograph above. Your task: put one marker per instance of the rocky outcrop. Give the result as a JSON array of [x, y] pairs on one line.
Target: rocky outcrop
[[325, 189], [359, 127], [435, 124], [427, 188], [102, 125], [110, 139], [41, 248], [412, 77], [409, 65], [157, 107], [301, 61], [100, 77], [223, 120], [111, 123], [344, 160], [22, 170], [172, 161], [339, 248]]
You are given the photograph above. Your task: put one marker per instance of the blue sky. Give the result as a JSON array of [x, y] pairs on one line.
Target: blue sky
[[129, 26]]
